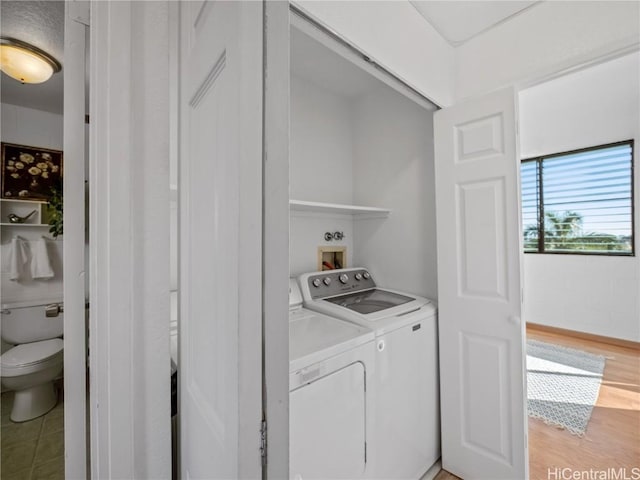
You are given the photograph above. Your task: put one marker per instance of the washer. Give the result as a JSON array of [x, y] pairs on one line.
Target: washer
[[330, 364], [406, 413]]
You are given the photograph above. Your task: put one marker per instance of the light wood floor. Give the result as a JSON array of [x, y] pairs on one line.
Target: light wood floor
[[612, 439], [444, 475]]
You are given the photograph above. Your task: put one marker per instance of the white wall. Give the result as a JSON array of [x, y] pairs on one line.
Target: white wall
[[598, 295], [373, 149], [321, 155], [393, 168], [306, 234], [395, 35], [321, 169], [591, 107], [26, 126], [545, 39]]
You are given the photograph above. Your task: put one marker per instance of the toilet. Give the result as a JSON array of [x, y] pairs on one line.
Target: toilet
[[35, 358]]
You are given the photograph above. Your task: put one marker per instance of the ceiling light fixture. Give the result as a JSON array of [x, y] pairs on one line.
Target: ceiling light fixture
[[26, 63]]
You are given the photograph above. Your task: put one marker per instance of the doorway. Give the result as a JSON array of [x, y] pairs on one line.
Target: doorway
[[580, 296], [33, 419]]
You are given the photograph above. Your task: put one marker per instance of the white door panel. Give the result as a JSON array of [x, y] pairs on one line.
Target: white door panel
[[219, 216], [481, 337]]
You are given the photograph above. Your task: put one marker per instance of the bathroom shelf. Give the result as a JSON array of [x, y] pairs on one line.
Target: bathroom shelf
[[22, 208], [322, 207], [20, 200], [25, 225]]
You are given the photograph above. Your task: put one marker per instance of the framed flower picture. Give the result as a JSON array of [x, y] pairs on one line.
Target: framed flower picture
[[29, 173]]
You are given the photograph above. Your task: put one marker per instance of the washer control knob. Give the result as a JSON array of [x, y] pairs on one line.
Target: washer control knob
[[316, 282], [366, 275], [343, 278], [327, 281], [358, 276]]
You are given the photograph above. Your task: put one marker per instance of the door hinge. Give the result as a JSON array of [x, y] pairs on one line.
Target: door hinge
[[263, 442]]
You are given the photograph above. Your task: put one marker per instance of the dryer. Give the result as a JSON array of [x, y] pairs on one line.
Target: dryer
[[330, 370], [406, 413]]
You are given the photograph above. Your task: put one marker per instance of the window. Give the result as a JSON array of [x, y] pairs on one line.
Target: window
[[580, 201]]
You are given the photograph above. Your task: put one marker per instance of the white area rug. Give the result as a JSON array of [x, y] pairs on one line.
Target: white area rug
[[562, 385]]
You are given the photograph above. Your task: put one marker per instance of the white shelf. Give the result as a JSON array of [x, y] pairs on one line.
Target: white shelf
[[25, 224], [20, 200], [322, 207], [23, 208]]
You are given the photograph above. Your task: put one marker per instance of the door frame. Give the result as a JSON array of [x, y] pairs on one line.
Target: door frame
[[275, 238], [76, 24], [130, 400]]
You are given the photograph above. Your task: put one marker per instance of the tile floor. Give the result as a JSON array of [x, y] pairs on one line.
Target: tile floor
[[34, 449]]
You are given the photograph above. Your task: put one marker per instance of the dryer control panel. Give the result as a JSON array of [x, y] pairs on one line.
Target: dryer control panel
[[336, 282]]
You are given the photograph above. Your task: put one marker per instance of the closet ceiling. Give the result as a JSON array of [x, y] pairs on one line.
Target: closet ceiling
[[40, 24], [459, 21], [317, 64]]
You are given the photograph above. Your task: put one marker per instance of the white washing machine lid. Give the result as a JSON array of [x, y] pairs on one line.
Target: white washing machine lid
[[356, 298], [314, 337], [30, 353], [396, 317]]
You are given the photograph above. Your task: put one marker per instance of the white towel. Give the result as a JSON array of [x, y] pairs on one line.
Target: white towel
[[18, 258], [40, 263]]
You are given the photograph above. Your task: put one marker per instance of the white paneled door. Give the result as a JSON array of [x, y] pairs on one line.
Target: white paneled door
[[482, 338], [220, 184]]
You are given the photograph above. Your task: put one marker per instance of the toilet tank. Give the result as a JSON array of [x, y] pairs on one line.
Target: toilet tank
[[26, 322]]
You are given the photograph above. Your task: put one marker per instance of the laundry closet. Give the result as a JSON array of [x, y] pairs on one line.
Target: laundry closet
[[361, 164], [362, 194]]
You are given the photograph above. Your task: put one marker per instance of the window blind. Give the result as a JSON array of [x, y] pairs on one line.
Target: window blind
[[579, 202]]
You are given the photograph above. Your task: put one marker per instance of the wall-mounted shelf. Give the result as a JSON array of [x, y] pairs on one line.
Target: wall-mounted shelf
[[20, 200], [322, 207], [25, 225], [23, 208]]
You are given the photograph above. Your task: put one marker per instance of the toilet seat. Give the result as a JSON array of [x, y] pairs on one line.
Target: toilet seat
[[30, 357]]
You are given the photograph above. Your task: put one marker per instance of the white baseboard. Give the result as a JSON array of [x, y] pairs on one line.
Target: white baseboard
[[433, 471]]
